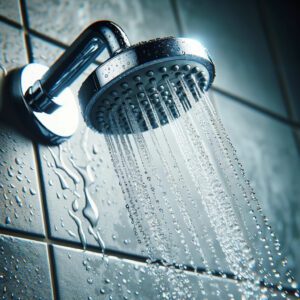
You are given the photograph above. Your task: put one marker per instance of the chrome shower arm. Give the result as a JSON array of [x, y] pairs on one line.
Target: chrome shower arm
[[91, 43]]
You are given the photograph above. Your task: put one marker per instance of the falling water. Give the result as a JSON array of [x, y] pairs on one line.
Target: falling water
[[187, 196]]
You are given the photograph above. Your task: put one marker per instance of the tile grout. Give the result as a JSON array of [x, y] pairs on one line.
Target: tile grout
[[46, 221], [29, 50], [46, 38], [10, 22], [25, 23], [94, 249], [122, 255], [257, 108], [275, 57]]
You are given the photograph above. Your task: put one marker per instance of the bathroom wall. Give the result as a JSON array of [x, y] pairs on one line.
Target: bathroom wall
[[255, 47]]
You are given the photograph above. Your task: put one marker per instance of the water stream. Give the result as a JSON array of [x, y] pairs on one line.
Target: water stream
[[189, 200]]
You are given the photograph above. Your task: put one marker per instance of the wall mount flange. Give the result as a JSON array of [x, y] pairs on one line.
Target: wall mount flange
[[50, 128], [41, 96]]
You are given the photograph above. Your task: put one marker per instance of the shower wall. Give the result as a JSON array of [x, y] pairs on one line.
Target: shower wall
[[254, 46]]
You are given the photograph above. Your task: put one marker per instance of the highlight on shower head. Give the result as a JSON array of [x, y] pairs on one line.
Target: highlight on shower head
[[133, 82], [137, 81]]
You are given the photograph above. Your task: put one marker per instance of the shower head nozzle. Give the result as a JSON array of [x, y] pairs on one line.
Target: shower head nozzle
[[138, 79]]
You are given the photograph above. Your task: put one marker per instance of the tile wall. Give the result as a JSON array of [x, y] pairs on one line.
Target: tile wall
[[254, 45]]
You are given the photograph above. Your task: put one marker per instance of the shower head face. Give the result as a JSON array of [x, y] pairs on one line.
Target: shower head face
[[138, 88]]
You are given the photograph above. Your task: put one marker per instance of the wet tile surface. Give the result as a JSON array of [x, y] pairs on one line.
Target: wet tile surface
[[80, 172], [13, 52], [10, 10], [20, 206], [233, 34], [141, 20], [268, 152], [283, 24], [24, 269], [92, 276]]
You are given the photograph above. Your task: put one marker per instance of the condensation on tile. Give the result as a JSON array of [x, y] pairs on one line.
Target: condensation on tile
[[94, 276], [24, 269], [20, 207]]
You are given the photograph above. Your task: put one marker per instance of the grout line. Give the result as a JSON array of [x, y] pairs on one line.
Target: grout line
[[132, 258], [25, 26], [176, 12], [22, 234], [53, 272], [94, 249], [275, 57], [45, 220], [48, 39], [11, 22], [256, 107]]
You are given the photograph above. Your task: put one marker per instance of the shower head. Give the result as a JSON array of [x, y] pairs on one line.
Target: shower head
[[134, 83], [143, 78]]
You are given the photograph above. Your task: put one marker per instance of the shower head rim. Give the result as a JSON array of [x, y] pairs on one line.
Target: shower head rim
[[143, 53], [138, 57]]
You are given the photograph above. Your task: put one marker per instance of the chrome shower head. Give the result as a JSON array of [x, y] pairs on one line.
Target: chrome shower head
[[133, 79], [138, 79]]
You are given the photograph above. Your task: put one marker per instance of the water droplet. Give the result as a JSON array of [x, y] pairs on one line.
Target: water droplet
[[32, 191], [75, 205], [18, 201], [18, 161]]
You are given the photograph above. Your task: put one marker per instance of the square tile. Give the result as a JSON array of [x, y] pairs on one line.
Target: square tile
[[268, 152], [24, 269], [93, 276], [234, 37], [20, 203], [141, 20]]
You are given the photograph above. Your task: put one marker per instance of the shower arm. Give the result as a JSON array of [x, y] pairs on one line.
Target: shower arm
[[84, 50]]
